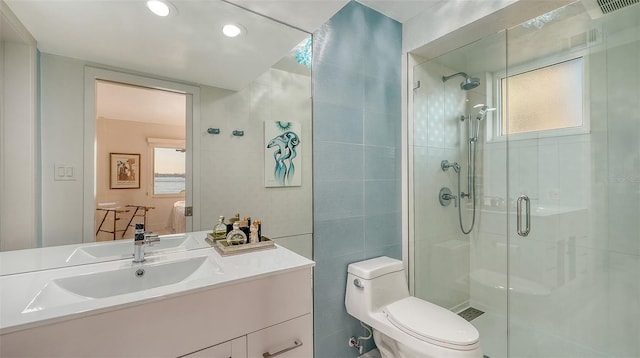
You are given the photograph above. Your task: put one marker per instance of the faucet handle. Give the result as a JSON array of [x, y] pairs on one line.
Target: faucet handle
[[150, 238], [452, 197]]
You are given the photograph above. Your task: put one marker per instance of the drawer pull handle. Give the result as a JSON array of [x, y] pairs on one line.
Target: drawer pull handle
[[296, 344]]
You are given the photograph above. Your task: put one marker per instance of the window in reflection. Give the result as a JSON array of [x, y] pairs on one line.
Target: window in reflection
[[168, 171]]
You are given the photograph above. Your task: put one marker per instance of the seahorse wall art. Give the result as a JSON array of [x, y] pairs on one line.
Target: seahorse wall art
[[282, 149]]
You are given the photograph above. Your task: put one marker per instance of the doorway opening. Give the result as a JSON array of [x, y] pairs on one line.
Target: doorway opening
[[140, 160]]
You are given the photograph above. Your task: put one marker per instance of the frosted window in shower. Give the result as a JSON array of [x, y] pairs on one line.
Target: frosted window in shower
[[543, 99]]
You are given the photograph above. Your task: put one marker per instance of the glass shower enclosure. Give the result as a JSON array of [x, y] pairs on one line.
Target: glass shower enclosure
[[543, 172]]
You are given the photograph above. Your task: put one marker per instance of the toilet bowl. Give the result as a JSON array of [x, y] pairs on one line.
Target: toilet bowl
[[405, 326]]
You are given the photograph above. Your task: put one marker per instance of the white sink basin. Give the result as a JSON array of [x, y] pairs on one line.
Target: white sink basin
[[124, 249], [104, 284]]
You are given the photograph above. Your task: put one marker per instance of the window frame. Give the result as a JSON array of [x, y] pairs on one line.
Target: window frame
[[494, 127], [154, 143]]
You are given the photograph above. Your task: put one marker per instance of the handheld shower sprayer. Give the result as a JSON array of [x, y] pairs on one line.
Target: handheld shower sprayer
[[474, 131], [482, 115], [482, 112]]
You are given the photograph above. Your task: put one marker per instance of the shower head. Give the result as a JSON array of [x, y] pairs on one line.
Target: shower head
[[467, 84], [470, 83]]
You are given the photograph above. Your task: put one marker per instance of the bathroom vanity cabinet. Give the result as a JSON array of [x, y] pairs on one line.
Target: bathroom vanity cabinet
[[231, 349], [233, 316]]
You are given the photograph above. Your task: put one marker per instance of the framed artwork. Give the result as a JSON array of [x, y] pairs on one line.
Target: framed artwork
[[124, 171], [282, 155]]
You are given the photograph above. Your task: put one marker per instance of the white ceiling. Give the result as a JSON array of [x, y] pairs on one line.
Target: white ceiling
[[7, 32], [309, 15], [399, 10], [187, 46], [139, 104]]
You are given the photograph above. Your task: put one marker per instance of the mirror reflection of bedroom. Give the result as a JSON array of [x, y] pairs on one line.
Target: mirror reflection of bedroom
[[140, 160]]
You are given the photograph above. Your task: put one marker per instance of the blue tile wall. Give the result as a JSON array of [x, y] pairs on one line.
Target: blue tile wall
[[356, 159]]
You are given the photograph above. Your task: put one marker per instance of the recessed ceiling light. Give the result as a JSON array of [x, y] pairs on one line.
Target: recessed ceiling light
[[161, 7], [232, 30]]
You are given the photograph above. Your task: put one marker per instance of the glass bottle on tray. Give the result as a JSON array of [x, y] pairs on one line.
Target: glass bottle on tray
[[236, 236]]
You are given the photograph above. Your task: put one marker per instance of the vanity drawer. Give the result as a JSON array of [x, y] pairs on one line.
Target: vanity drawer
[[236, 348], [290, 339]]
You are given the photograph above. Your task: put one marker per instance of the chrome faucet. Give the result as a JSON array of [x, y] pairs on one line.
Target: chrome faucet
[[138, 248], [445, 165], [141, 240]]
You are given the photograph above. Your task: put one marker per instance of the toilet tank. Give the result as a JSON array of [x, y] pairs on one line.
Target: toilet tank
[[373, 284]]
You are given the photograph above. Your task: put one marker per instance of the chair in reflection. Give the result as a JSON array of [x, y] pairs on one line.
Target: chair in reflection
[[116, 212], [138, 211]]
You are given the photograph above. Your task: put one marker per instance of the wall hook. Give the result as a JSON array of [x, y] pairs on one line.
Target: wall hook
[[213, 130], [238, 133]]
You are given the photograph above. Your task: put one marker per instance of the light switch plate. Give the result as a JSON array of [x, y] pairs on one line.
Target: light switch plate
[[64, 172]]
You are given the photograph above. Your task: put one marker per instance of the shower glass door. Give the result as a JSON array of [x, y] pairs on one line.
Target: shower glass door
[[553, 258], [568, 109]]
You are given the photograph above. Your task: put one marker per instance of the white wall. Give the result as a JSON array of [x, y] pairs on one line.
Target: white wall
[[233, 167], [226, 188], [18, 146], [62, 142]]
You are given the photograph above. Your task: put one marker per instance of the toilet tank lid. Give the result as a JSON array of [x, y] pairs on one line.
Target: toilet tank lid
[[376, 267]]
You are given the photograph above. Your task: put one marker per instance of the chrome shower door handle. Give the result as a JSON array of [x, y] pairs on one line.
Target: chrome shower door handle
[[525, 232]]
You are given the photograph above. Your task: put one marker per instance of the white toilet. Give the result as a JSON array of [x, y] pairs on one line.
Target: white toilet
[[405, 326]]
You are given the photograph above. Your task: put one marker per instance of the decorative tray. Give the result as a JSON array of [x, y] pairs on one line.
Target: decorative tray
[[225, 249]]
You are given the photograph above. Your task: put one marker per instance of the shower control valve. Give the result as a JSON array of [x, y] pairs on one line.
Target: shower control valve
[[445, 196]]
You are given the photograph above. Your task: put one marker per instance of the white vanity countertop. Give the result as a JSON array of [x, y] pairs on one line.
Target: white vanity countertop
[[21, 294], [27, 260]]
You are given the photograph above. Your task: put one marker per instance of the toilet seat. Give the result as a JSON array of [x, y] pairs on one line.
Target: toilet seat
[[431, 323]]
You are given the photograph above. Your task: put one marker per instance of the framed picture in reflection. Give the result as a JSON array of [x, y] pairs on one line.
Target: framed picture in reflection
[[124, 171]]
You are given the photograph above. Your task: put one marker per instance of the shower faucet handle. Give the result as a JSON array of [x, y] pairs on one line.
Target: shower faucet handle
[[452, 197], [445, 165]]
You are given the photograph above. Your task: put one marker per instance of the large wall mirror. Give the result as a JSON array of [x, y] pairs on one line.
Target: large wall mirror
[[145, 118]]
